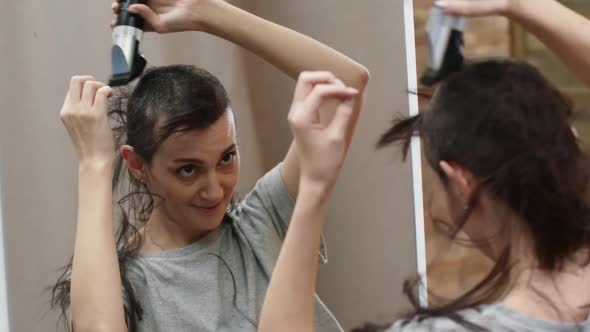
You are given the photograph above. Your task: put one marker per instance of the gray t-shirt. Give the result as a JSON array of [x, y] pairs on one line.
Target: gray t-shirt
[[218, 283], [493, 317]]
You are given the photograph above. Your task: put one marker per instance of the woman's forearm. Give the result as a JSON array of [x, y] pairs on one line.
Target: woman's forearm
[[564, 31], [289, 51], [96, 295], [289, 301]]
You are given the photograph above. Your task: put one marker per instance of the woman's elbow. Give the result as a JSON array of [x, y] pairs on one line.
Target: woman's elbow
[[361, 78], [100, 327], [273, 326]]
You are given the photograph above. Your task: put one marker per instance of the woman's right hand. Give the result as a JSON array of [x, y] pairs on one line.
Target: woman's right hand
[[321, 148], [84, 116], [473, 8]]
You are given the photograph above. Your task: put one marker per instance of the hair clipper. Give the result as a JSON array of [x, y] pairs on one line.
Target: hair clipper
[[126, 59], [445, 42]]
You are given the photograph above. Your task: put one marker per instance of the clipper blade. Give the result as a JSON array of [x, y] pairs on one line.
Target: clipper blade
[[452, 62], [445, 45], [123, 73]]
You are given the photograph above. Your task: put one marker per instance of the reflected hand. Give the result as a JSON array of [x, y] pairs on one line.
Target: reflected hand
[[165, 16], [473, 8], [84, 116], [321, 148]]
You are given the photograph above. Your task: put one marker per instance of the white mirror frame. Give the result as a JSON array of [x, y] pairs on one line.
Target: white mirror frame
[[4, 317], [416, 158]]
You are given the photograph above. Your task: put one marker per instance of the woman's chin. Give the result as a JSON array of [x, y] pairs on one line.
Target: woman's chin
[[209, 218]]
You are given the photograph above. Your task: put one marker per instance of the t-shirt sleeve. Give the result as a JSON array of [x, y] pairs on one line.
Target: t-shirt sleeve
[[409, 326], [432, 324], [268, 207]]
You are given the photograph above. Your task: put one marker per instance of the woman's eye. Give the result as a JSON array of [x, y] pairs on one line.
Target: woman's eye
[[186, 171], [228, 159]]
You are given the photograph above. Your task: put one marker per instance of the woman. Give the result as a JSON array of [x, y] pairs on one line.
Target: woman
[[497, 135], [195, 262]]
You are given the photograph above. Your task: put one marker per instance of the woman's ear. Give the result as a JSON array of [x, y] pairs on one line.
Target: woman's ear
[[575, 131], [460, 179], [134, 162]]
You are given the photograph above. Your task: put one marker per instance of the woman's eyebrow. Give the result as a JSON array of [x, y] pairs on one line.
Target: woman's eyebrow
[[201, 162]]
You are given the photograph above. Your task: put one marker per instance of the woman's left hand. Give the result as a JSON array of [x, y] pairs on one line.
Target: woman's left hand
[[321, 148]]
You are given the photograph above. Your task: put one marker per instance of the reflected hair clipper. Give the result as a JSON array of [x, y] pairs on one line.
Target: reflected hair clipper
[[127, 62], [445, 43]]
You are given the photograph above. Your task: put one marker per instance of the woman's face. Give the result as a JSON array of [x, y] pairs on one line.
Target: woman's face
[[196, 172]]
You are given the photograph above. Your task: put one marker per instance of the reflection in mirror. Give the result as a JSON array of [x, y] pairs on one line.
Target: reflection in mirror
[[460, 260], [526, 46], [452, 268]]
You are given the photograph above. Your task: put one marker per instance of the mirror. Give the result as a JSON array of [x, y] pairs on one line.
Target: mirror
[[455, 267]]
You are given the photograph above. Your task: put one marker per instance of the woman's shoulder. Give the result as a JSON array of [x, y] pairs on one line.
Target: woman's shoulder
[[467, 320], [489, 317], [426, 325], [267, 204]]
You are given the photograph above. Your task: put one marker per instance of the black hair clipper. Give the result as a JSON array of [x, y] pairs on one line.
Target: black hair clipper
[[126, 58], [445, 42]]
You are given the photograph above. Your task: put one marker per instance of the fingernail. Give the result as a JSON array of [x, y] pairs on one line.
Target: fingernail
[[132, 10], [353, 90], [441, 3]]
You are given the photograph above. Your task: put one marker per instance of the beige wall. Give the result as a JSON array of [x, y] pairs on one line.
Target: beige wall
[[370, 233]]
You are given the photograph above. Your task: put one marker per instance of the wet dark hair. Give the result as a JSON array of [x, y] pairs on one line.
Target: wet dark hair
[[504, 122], [165, 101]]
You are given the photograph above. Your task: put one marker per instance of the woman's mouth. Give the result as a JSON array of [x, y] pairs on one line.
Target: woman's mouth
[[208, 208]]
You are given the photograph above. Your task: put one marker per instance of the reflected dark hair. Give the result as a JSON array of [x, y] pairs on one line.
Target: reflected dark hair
[[165, 101], [508, 125]]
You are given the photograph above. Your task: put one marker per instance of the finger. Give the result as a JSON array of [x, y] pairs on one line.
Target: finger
[[341, 120], [100, 100], [321, 93], [307, 80], [89, 92], [470, 7], [115, 7], [76, 86], [447, 168], [147, 13], [339, 82], [575, 132]]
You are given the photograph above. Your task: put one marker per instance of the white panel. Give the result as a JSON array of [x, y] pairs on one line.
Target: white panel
[[415, 150], [4, 318]]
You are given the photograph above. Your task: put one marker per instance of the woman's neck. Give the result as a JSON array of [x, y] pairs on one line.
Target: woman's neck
[[161, 233], [562, 295]]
